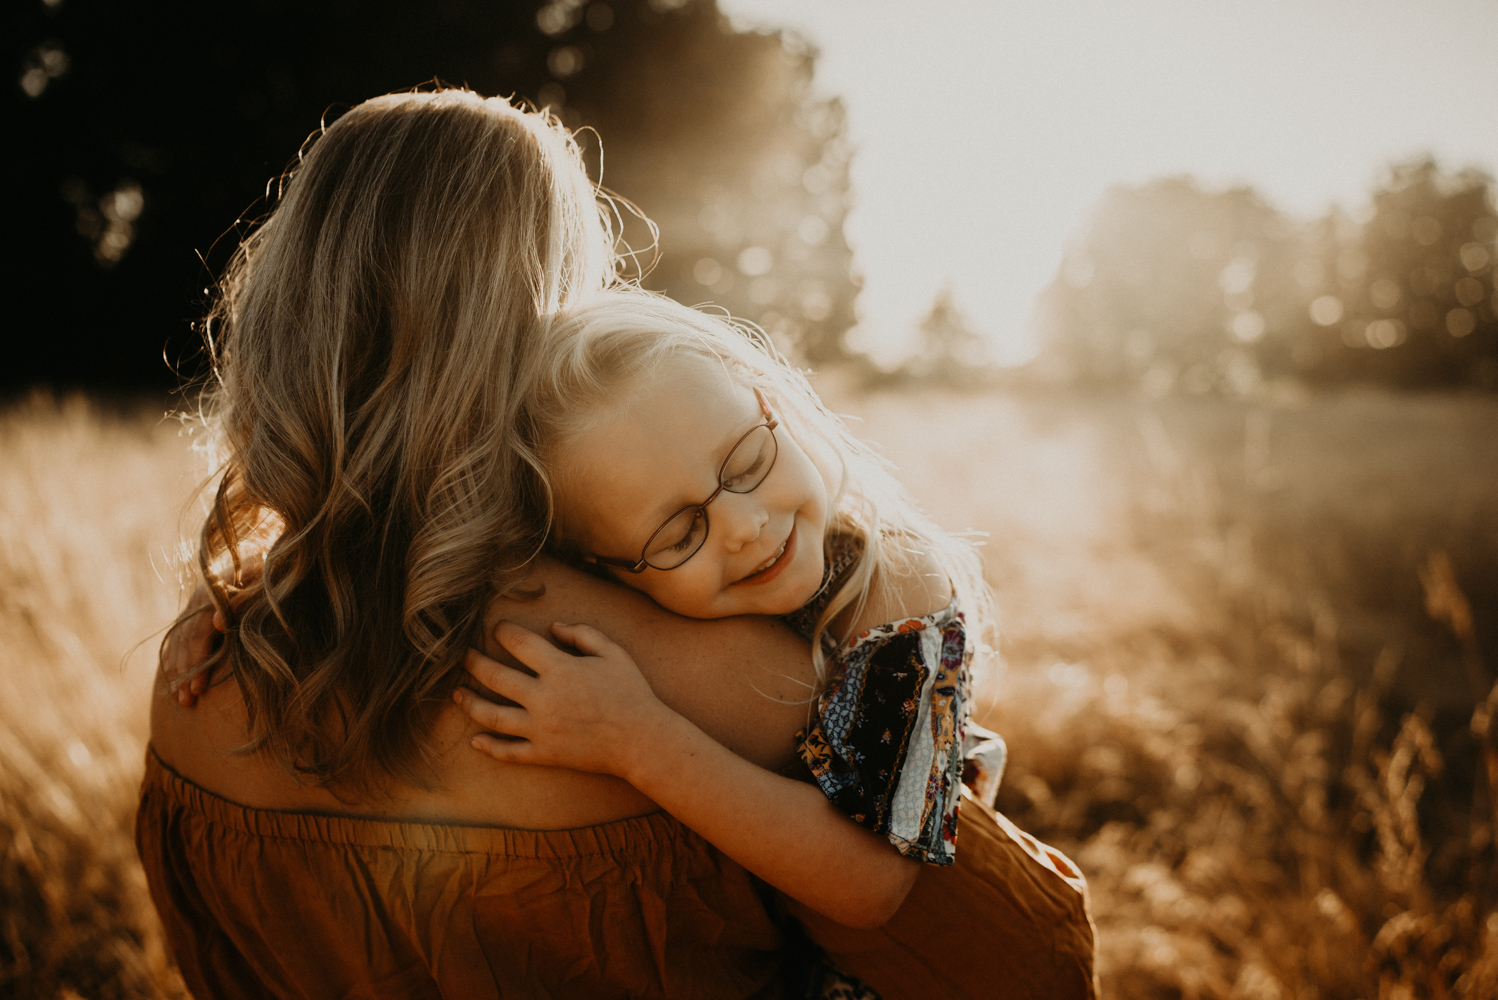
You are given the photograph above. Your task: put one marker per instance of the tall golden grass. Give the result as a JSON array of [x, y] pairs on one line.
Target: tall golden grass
[[1244, 684], [1244, 678], [88, 518]]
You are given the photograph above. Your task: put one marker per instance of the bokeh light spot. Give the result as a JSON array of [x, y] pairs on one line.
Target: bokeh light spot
[[43, 64], [79, 754], [1068, 675], [1469, 291], [754, 261], [1383, 334], [1238, 276], [1460, 322], [1475, 256], [557, 17], [1326, 310], [813, 230], [1248, 326], [564, 61]]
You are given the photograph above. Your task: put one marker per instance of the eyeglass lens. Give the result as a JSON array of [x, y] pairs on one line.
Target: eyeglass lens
[[680, 537]]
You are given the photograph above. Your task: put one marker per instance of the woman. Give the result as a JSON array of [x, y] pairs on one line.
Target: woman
[[318, 826]]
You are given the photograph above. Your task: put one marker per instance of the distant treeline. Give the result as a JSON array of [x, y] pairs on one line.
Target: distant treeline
[[1177, 289], [140, 133]]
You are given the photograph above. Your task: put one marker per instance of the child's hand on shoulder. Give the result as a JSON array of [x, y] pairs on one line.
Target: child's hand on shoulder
[[190, 641], [588, 712]]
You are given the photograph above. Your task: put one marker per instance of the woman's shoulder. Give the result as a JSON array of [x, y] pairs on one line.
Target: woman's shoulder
[[202, 745]]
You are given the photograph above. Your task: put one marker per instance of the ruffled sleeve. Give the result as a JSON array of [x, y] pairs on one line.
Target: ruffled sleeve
[[887, 745]]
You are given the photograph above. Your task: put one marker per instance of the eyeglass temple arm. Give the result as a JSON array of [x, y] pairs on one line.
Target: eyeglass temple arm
[[628, 565]]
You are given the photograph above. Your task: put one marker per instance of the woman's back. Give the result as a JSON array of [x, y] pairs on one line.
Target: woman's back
[[501, 880]]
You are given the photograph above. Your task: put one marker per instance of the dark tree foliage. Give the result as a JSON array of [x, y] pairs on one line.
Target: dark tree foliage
[[1424, 312], [716, 137], [144, 138], [1174, 288]]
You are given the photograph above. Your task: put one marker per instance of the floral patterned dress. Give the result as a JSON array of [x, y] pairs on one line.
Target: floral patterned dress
[[892, 744]]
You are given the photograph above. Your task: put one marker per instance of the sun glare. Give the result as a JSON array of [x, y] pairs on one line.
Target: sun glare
[[984, 132]]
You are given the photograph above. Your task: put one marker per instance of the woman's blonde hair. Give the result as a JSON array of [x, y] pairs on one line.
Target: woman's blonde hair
[[616, 338], [367, 343]]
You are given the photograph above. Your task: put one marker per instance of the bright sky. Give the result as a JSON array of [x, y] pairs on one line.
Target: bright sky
[[985, 129]]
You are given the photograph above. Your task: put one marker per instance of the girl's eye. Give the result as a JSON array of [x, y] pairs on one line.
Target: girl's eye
[[682, 543], [679, 535], [746, 476], [738, 474]]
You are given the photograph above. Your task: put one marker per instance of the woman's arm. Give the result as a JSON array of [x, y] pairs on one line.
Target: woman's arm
[[596, 712]]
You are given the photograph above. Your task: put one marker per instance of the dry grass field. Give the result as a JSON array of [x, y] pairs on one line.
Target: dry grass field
[[1243, 645]]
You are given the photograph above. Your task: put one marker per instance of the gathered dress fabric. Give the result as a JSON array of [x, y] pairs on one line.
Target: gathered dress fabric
[[261, 903]]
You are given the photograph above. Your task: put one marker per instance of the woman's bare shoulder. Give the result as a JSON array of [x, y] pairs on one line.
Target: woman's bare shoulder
[[201, 743], [745, 681]]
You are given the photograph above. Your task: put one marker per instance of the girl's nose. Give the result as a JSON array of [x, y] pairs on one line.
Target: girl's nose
[[741, 519]]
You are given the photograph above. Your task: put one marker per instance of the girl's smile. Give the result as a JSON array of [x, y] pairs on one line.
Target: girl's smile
[[660, 450], [773, 565]]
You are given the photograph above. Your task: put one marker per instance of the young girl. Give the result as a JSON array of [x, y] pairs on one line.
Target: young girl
[[680, 455]]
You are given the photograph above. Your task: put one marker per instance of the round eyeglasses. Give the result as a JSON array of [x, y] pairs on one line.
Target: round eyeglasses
[[748, 463]]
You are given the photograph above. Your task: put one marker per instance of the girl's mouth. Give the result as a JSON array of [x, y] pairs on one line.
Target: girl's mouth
[[772, 567]]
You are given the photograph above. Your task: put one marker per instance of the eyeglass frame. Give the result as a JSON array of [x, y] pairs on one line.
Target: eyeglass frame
[[641, 564]]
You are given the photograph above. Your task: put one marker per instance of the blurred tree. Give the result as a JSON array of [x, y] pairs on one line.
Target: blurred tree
[[144, 131], [716, 136], [1174, 288], [950, 349], [1415, 283]]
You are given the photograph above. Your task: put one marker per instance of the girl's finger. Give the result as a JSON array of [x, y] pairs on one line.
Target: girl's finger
[[512, 751], [510, 720], [513, 684], [528, 647], [584, 638]]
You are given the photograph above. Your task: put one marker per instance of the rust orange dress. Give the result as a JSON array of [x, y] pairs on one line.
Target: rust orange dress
[[261, 903]]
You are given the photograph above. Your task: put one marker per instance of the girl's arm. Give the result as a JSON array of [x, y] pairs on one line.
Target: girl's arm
[[596, 712]]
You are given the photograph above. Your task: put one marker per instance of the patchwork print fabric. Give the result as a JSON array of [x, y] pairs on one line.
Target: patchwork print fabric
[[887, 743]]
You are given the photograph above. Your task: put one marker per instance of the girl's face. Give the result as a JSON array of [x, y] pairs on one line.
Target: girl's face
[[660, 451]]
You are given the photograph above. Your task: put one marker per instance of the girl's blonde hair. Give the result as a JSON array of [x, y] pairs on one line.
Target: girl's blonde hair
[[616, 338], [367, 343]]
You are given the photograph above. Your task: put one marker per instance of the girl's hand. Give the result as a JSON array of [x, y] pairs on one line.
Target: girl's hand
[[591, 712], [189, 642]]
